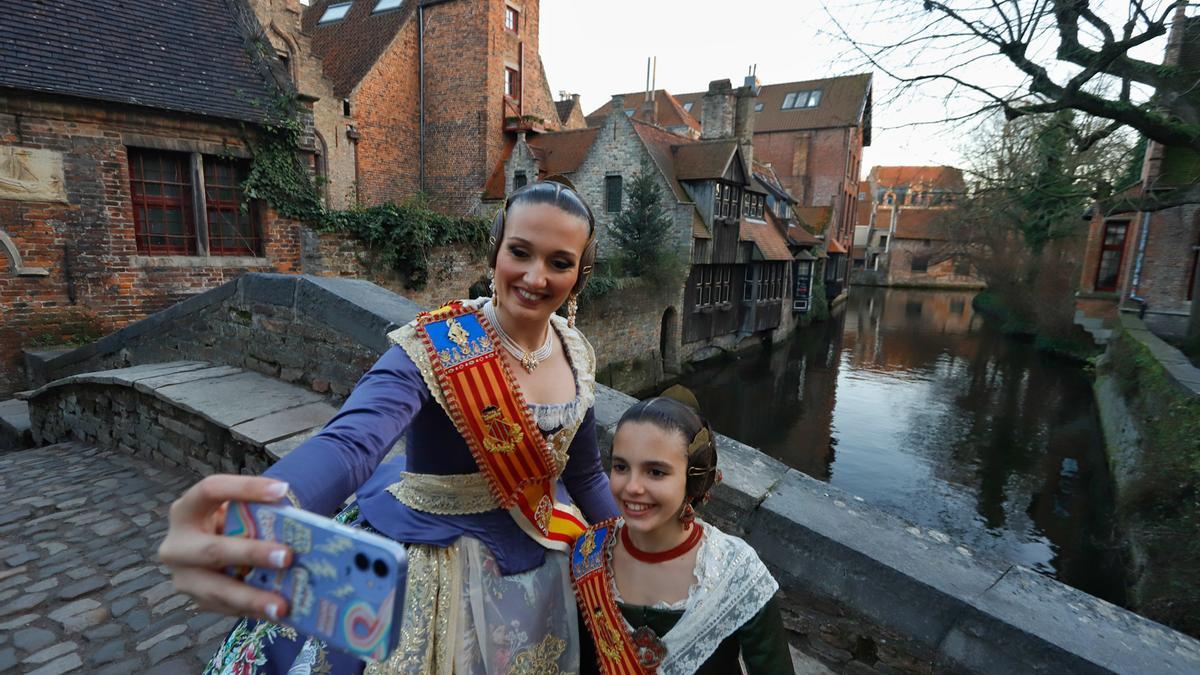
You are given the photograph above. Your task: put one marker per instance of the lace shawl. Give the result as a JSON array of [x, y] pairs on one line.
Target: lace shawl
[[732, 585]]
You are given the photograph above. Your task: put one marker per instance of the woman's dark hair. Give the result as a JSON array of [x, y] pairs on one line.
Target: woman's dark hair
[[669, 414], [556, 192]]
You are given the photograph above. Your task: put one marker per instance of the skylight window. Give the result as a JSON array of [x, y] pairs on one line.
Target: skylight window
[[385, 5], [808, 98], [758, 107], [335, 12], [687, 107]]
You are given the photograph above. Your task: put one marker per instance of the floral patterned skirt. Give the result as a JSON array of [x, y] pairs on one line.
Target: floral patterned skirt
[[460, 616]]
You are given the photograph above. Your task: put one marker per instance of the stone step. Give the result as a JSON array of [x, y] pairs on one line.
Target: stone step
[[14, 425]]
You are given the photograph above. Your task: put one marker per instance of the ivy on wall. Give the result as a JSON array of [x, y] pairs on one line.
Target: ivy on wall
[[398, 236]]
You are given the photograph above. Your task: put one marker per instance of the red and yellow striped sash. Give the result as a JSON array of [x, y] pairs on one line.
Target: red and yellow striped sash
[[592, 578], [486, 406]]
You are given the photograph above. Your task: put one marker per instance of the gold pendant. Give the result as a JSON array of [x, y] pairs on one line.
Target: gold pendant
[[528, 362]]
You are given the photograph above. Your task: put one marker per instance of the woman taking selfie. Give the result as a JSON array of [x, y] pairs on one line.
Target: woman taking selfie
[[659, 590], [501, 473]]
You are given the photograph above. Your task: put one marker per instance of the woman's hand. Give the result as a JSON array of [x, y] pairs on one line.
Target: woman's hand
[[196, 551]]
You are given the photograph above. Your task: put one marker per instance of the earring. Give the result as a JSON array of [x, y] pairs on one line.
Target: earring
[[572, 308], [687, 516], [492, 287]]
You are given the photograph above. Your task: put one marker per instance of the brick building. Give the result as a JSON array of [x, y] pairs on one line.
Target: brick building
[[436, 92], [121, 163], [913, 228], [738, 282], [1146, 261], [811, 133]]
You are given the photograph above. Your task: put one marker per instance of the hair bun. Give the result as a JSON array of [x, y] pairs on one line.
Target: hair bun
[[680, 393], [560, 179]]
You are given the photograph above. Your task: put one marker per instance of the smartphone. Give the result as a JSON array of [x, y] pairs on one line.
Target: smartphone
[[345, 586]]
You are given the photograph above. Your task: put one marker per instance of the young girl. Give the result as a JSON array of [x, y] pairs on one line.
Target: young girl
[[659, 590]]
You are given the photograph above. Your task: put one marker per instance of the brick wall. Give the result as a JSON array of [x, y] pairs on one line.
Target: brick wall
[[384, 106], [97, 281], [940, 270]]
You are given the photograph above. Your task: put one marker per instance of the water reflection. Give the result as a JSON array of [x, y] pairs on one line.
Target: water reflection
[[909, 400]]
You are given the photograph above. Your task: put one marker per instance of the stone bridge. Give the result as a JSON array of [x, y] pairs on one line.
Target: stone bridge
[[236, 377]]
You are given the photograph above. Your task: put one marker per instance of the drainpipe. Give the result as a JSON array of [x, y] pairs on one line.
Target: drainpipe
[[421, 93], [1137, 264]]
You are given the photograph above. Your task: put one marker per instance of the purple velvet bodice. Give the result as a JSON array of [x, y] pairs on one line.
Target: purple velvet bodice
[[391, 399]]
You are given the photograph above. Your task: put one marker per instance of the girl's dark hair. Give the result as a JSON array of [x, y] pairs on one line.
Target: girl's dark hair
[[669, 414], [556, 192]]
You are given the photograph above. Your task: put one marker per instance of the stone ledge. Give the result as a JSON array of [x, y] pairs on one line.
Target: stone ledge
[[1178, 366], [14, 425]]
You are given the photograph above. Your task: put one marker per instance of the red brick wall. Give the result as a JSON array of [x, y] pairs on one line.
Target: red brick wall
[[98, 282], [385, 107]]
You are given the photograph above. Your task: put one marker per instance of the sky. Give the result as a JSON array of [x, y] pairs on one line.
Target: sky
[[597, 49]]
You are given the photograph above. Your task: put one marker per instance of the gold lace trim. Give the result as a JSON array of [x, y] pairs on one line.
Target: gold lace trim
[[428, 635], [445, 495], [540, 659]]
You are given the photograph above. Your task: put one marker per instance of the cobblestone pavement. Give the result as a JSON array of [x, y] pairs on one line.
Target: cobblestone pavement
[[81, 588]]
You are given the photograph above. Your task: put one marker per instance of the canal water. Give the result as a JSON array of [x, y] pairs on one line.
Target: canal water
[[911, 401]]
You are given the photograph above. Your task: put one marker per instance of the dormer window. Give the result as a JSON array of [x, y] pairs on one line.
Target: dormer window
[[511, 18], [687, 107], [385, 5], [335, 12], [808, 98]]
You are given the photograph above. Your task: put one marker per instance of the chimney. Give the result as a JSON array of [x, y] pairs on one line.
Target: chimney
[[617, 106], [743, 119], [575, 98], [716, 120], [650, 109]]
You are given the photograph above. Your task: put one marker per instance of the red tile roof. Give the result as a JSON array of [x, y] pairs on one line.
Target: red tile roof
[[938, 177], [769, 242], [562, 152], [703, 160], [661, 144], [836, 246], [816, 217], [922, 223], [670, 110], [350, 47], [801, 237], [845, 101]]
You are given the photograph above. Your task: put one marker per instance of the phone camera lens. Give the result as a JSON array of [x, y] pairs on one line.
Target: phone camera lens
[[381, 568], [361, 562]]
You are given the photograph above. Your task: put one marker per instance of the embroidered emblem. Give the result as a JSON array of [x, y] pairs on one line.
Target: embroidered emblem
[[610, 640], [541, 659], [542, 514], [503, 435], [457, 334], [650, 650], [588, 547]]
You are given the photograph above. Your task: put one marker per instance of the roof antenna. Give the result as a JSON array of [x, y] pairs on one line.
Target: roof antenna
[[647, 78], [654, 80]]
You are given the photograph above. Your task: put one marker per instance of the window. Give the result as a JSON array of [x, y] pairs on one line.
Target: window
[[629, 112], [883, 240], [687, 107], [510, 19], [958, 307], [758, 107], [723, 285], [346, 107], [919, 264], [164, 204], [612, 194], [230, 231], [512, 83], [519, 179], [385, 5], [335, 12], [808, 98], [1112, 252], [748, 287], [161, 189], [706, 273]]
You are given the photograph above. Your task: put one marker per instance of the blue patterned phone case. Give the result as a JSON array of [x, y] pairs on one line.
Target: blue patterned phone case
[[345, 586]]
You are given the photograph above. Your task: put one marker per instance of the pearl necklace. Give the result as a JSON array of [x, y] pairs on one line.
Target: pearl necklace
[[528, 360]]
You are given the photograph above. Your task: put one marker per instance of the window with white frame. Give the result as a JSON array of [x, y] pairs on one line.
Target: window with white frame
[[808, 98]]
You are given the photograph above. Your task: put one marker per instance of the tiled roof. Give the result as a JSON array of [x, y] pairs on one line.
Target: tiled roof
[[767, 177], [801, 237], [937, 177], [563, 108], [562, 152], [769, 242], [702, 160], [916, 223], [836, 246], [188, 56], [662, 144], [844, 102], [670, 110], [348, 48]]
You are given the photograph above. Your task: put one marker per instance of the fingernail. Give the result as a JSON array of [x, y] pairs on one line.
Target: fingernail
[[276, 558], [277, 490], [273, 611]]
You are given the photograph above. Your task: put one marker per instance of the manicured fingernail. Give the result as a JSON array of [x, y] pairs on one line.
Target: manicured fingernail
[[277, 490], [273, 611], [276, 558]]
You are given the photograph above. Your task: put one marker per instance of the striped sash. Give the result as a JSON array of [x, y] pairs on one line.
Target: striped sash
[[592, 578], [486, 406]]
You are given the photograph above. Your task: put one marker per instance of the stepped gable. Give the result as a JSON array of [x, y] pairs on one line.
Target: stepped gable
[[192, 57]]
